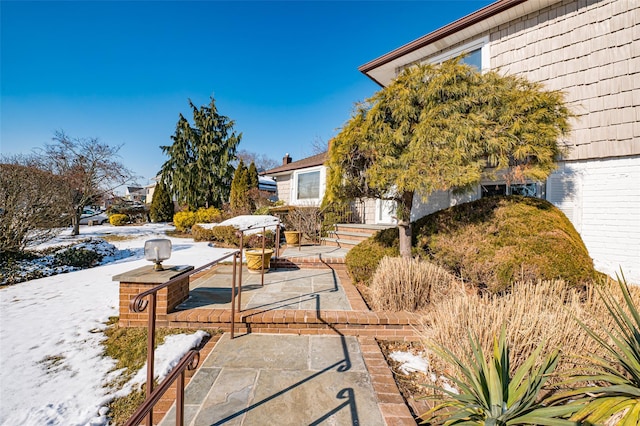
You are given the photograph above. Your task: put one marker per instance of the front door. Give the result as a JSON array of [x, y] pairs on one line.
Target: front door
[[385, 212]]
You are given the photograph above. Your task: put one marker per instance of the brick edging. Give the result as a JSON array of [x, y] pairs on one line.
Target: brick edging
[[391, 403]]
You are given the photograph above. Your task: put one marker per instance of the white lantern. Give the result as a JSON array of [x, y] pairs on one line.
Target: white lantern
[[156, 251]]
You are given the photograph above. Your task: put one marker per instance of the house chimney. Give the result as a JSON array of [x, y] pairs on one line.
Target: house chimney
[[286, 159]]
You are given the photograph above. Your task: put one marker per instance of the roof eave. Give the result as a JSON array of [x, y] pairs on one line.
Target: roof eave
[[440, 33]]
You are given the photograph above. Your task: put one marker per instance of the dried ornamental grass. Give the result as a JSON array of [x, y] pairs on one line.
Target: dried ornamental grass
[[406, 284], [532, 313]]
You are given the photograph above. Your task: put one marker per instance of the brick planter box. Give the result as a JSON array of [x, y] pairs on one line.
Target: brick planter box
[[145, 278]]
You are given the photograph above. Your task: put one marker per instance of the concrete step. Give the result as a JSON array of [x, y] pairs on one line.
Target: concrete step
[[356, 236], [340, 242], [360, 228]]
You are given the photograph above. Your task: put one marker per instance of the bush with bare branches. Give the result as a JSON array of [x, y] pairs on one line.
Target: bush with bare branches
[[33, 204], [305, 219]]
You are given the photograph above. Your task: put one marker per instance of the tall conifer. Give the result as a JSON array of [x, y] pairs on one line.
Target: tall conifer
[[253, 176], [199, 169], [161, 205]]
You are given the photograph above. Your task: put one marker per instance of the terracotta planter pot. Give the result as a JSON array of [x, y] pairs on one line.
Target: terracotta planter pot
[[255, 260], [292, 237]]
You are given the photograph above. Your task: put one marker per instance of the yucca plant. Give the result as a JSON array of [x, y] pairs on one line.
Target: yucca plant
[[489, 395], [615, 381]]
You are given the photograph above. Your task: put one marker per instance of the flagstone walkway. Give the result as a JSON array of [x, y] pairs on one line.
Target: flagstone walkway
[[304, 352]]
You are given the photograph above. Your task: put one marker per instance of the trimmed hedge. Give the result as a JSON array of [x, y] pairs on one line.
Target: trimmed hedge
[[363, 259], [495, 241]]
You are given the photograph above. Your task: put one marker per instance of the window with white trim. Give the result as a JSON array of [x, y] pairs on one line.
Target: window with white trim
[[477, 54], [308, 186]]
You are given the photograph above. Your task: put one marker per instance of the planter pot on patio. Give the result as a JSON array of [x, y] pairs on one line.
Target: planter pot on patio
[[292, 237], [255, 260]]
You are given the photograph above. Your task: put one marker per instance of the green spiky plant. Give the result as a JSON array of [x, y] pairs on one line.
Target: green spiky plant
[[616, 391], [489, 395]]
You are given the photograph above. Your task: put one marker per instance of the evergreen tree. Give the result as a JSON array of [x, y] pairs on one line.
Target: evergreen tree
[[199, 170], [161, 205], [444, 127], [239, 190], [253, 176]]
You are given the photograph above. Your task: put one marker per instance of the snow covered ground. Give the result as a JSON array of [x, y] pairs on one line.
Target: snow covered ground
[[52, 371]]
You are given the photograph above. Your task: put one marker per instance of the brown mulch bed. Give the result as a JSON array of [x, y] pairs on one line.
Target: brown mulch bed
[[410, 385]]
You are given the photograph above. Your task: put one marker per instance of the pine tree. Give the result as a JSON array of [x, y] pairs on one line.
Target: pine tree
[[199, 169], [161, 205], [253, 176]]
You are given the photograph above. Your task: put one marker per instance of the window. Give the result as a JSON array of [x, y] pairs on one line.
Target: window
[[527, 189], [308, 186], [474, 58], [477, 54]]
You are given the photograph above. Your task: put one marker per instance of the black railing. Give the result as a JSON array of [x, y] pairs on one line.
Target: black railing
[[332, 214]]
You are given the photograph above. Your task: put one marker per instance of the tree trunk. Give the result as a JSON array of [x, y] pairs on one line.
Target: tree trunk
[[75, 222], [403, 214]]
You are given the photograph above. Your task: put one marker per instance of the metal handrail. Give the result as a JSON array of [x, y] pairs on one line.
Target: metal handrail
[[188, 362], [139, 304], [264, 236]]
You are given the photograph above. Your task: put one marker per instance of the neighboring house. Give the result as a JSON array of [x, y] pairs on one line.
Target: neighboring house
[[590, 49], [149, 190], [302, 182], [136, 194], [267, 184]]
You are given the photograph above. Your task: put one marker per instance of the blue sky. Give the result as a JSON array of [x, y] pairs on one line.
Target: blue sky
[[286, 72]]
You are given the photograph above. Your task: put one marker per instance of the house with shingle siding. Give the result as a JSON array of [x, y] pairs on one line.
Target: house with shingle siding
[[589, 49]]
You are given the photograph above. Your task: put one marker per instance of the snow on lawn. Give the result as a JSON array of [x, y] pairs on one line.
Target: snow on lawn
[[52, 371]]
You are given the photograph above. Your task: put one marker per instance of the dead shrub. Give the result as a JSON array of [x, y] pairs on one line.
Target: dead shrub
[[532, 312], [406, 284]]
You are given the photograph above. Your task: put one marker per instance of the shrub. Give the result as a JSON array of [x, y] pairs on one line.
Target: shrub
[[137, 213], [305, 219], [209, 215], [262, 210], [118, 219], [255, 240], [76, 257], [202, 234], [226, 235], [363, 259], [495, 241], [183, 221], [406, 284]]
